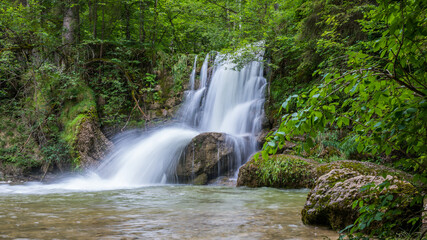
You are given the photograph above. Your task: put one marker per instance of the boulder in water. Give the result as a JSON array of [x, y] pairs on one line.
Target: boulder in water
[[206, 157]]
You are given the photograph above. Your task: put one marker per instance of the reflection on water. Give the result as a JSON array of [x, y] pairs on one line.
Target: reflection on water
[[161, 212]]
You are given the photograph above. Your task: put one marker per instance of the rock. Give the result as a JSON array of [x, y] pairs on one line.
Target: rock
[[164, 113], [223, 181], [208, 153], [171, 102], [330, 201], [155, 106], [202, 179], [90, 144], [293, 172], [260, 138], [364, 168]]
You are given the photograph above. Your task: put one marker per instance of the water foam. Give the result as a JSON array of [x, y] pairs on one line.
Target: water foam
[[230, 101]]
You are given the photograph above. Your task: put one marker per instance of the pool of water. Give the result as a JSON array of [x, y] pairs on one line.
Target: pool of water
[[156, 212]]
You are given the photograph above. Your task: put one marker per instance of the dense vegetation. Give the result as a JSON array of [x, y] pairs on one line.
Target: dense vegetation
[[346, 77]]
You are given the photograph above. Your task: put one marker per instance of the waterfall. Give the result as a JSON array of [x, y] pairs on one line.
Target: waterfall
[[230, 101], [193, 74]]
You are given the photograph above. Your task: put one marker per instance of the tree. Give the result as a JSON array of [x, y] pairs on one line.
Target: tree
[[71, 22]]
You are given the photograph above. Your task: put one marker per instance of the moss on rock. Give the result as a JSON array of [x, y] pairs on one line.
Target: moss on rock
[[364, 168], [280, 171], [86, 141], [330, 201]]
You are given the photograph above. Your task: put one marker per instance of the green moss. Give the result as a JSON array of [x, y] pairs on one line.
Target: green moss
[[74, 114], [85, 104], [284, 171], [364, 168]]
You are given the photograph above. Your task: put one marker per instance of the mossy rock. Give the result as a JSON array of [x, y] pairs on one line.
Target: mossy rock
[[202, 179], [279, 171], [81, 131], [330, 202], [364, 168]]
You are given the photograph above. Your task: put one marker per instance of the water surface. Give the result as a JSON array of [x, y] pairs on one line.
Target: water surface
[[156, 212]]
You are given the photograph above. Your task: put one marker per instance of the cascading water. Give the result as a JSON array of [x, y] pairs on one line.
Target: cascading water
[[230, 102]]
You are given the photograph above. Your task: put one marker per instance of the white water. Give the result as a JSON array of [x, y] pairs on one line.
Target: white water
[[230, 102]]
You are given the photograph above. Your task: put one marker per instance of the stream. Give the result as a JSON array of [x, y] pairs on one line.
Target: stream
[[155, 212]]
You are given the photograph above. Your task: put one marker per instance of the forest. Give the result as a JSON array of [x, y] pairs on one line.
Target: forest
[[346, 80]]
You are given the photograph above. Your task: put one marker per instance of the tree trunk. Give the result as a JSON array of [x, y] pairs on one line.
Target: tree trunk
[[154, 36], [141, 22], [127, 13], [95, 17], [103, 22], [70, 23]]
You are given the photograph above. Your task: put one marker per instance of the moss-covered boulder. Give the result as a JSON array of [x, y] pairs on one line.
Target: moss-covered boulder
[[87, 143], [280, 171], [206, 157], [330, 202]]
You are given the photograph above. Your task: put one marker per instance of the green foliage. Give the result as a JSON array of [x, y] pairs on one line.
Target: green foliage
[[378, 214], [383, 110], [13, 155], [371, 85], [56, 152]]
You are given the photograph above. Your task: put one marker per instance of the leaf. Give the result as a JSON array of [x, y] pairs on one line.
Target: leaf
[[264, 155], [360, 147], [411, 110], [346, 121], [378, 216], [355, 203], [310, 142]]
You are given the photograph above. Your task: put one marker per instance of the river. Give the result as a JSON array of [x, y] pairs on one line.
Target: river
[[155, 212]]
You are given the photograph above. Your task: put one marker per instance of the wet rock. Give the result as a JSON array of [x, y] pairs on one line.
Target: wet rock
[[90, 145], [208, 153], [202, 179], [223, 181], [330, 201], [281, 171], [260, 138], [164, 113]]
